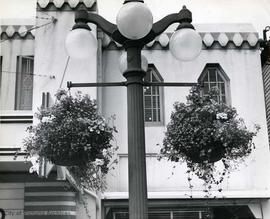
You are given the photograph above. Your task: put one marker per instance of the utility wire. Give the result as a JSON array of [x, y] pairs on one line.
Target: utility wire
[[34, 28], [44, 18], [40, 75], [64, 73]]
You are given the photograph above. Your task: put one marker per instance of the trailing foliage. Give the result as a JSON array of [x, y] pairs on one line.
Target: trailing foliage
[[203, 132], [71, 133]]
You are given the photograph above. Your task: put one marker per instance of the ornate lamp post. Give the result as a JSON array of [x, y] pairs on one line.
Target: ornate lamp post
[[134, 29]]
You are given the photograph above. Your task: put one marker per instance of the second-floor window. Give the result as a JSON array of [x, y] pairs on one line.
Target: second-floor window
[[0, 73], [24, 82], [214, 76], [153, 97]]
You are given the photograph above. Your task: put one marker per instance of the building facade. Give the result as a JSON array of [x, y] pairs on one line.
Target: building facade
[[35, 64]]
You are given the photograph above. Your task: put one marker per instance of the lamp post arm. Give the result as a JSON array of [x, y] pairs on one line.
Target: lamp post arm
[[161, 25], [108, 27]]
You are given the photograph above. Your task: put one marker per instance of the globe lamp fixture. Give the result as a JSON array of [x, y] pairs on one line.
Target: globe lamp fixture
[[81, 44], [134, 20]]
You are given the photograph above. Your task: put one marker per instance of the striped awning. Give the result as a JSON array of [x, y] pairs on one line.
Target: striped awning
[[49, 200]]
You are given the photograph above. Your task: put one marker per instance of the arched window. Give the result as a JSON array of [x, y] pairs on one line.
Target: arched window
[[153, 100], [214, 76]]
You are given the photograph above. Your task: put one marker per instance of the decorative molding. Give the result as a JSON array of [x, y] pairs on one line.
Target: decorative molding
[[208, 39], [237, 39], [211, 40], [252, 39], [164, 40], [16, 32], [22, 31], [10, 31], [223, 39], [73, 3], [150, 44], [66, 5]]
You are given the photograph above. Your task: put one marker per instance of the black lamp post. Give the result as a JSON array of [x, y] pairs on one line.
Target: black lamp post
[[134, 29]]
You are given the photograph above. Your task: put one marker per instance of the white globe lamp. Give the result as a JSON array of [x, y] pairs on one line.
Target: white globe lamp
[[134, 20], [81, 44], [185, 44]]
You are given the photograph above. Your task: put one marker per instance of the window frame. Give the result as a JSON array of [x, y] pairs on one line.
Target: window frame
[[224, 77], [19, 83], [152, 67], [1, 72]]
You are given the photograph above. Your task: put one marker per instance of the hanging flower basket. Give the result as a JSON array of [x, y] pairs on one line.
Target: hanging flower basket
[[203, 132], [71, 133]]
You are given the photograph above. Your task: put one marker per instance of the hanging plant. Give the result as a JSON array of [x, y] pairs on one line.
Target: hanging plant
[[71, 133], [203, 132]]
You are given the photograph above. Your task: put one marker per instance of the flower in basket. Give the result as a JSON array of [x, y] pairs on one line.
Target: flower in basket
[[204, 131], [71, 133]]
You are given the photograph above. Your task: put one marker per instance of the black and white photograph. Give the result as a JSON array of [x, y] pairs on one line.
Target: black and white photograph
[[134, 109]]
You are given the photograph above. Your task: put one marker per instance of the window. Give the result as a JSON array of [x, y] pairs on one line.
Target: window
[[0, 72], [214, 76], [166, 214], [152, 97], [24, 82]]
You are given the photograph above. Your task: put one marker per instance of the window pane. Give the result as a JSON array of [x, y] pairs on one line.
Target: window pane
[[154, 115], [154, 102], [147, 102], [212, 74], [205, 88], [205, 78], [155, 90], [222, 88], [148, 115], [219, 78], [154, 78], [158, 114], [147, 90]]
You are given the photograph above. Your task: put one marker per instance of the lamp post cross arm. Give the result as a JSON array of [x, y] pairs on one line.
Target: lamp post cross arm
[[124, 83]]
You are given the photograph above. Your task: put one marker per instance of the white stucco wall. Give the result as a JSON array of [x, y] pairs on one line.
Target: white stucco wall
[[243, 69], [51, 58]]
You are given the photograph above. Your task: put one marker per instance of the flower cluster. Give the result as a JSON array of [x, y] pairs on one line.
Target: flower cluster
[[203, 132], [71, 133]]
